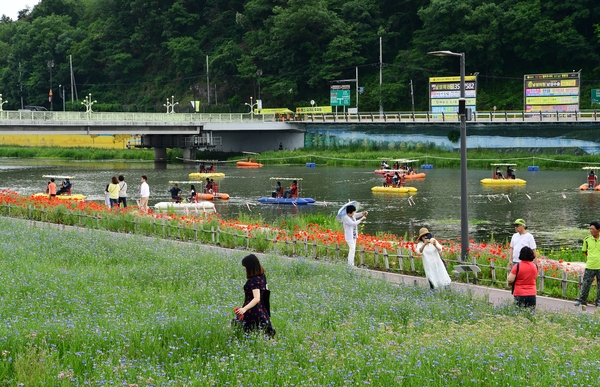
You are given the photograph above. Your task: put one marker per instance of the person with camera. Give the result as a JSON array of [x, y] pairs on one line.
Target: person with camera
[[351, 221], [435, 268]]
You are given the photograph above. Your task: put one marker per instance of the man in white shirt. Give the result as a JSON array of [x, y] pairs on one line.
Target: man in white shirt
[[519, 240], [144, 193]]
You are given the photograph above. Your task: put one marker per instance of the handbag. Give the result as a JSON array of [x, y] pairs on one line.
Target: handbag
[[266, 301], [512, 290]]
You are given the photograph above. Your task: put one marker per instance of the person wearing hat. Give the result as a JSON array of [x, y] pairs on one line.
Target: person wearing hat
[[520, 239], [351, 222], [591, 250], [435, 269]]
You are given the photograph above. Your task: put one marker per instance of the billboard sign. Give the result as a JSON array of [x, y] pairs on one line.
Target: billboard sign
[[595, 97], [339, 95], [552, 92], [444, 93]]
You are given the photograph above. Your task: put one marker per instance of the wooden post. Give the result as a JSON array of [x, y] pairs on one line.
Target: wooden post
[[412, 262], [218, 236], [400, 259], [376, 253], [386, 260], [337, 251], [362, 256], [493, 269], [247, 240], [542, 276], [315, 250], [195, 231], [294, 241], [564, 283]]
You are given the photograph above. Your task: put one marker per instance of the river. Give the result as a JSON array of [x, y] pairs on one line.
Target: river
[[557, 213]]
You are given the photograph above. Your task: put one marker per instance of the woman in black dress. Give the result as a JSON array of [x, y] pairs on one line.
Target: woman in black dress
[[254, 314]]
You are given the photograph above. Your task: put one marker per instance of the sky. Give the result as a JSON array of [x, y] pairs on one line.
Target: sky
[[11, 8]]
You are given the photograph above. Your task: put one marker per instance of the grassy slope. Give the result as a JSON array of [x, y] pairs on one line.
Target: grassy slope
[[88, 306]]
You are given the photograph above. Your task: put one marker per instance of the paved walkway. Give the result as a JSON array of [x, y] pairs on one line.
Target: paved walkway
[[494, 295]]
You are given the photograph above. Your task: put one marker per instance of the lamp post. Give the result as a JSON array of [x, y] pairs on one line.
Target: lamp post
[[50, 66], [2, 103], [251, 108], [464, 214], [87, 102], [171, 105]]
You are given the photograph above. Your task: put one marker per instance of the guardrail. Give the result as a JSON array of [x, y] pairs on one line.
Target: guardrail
[[37, 117]]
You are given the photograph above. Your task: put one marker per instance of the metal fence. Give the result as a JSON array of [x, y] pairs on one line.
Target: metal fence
[[402, 261]]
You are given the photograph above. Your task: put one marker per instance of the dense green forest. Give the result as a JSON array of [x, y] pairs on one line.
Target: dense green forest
[[133, 54]]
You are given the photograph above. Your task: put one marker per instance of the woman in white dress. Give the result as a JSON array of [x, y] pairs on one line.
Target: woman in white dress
[[435, 269]]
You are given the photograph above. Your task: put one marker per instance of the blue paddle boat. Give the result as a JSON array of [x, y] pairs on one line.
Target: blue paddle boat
[[289, 196]]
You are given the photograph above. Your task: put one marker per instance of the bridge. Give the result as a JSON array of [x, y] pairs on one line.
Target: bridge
[[235, 132]]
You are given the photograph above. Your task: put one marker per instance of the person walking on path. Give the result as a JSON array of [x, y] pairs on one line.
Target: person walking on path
[[522, 277], [122, 191], [591, 249], [435, 269], [351, 222], [144, 193], [520, 239]]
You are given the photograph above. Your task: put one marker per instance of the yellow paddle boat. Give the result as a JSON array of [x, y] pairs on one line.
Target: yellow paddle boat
[[63, 192], [394, 189], [499, 179]]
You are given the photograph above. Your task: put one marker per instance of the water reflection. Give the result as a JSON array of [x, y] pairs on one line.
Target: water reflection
[[555, 210]]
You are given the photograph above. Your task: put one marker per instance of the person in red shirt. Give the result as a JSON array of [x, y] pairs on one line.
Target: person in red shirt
[[52, 189], [522, 276]]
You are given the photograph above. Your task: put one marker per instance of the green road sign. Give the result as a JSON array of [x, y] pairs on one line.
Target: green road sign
[[339, 95], [595, 97]]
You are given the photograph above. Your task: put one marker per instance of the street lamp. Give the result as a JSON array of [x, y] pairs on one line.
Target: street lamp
[[252, 105], [464, 214], [50, 66], [87, 102], [2, 103], [171, 105]]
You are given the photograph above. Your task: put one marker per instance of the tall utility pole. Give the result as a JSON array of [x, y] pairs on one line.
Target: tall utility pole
[[50, 66], [207, 81], [380, 75], [412, 97]]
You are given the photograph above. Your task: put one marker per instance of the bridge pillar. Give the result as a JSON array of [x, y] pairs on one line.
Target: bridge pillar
[[160, 157], [189, 156]]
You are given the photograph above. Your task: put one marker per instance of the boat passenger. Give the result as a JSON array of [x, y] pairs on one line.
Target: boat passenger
[[175, 194], [498, 174], [397, 165], [510, 173], [214, 187], [208, 186], [278, 192], [202, 168], [293, 191], [592, 180], [193, 198], [388, 181], [65, 187], [385, 165], [248, 159], [212, 168], [411, 170], [52, 188]]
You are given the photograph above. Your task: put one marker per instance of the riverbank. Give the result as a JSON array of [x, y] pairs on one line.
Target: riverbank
[[82, 313], [555, 159]]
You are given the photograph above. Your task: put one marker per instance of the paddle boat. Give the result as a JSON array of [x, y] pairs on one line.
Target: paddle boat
[[204, 172], [402, 167], [251, 161], [204, 207], [499, 179], [277, 196], [592, 180], [394, 189], [63, 192], [202, 193]]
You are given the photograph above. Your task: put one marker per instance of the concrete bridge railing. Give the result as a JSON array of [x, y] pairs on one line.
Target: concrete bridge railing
[[189, 119]]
